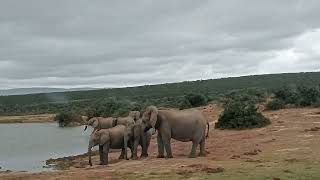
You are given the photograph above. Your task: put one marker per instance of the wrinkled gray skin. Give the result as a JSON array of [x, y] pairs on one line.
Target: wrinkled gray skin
[[113, 138], [188, 125], [135, 115], [106, 123], [142, 138]]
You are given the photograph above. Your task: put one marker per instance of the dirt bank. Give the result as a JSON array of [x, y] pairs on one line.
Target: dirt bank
[[289, 148], [41, 118]]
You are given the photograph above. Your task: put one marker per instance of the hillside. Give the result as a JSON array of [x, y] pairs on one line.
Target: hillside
[[152, 94], [37, 90]]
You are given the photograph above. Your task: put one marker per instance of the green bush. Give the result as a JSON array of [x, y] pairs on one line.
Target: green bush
[[196, 100], [241, 115], [275, 104], [184, 104], [308, 95], [67, 118], [288, 94], [252, 95]]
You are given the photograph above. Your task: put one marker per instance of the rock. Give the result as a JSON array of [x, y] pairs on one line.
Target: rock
[[252, 153], [235, 157]]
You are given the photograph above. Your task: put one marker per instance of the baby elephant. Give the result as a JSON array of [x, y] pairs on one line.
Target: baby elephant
[[142, 138], [114, 138]]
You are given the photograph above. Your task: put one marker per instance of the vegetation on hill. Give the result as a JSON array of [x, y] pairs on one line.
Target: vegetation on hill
[[295, 96], [117, 101]]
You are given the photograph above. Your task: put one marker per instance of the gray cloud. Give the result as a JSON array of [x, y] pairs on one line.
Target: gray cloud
[[79, 43]]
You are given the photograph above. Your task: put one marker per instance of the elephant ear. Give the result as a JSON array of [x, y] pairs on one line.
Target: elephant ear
[[104, 137], [153, 116], [95, 123]]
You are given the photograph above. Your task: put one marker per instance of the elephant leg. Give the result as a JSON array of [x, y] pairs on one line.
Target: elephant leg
[[122, 154], [106, 154], [144, 146], [160, 146], [202, 148], [193, 150], [126, 139], [101, 154], [167, 145], [135, 149], [166, 139]]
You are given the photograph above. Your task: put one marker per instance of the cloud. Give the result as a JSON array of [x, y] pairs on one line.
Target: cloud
[[78, 43]]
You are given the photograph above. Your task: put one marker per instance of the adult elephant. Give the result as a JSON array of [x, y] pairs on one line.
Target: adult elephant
[[188, 125]]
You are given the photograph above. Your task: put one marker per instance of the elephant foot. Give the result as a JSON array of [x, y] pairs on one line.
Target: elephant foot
[[169, 156], [160, 156], [192, 156], [144, 156], [202, 154], [121, 157], [134, 158]]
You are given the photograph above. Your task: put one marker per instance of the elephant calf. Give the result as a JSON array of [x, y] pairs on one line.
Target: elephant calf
[[142, 138], [135, 115], [180, 125], [114, 138]]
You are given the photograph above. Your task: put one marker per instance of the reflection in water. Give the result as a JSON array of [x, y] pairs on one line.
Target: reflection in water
[[27, 146]]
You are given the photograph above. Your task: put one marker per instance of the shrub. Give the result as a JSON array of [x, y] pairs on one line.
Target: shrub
[[241, 115], [288, 94], [196, 100], [184, 104], [248, 95], [275, 104], [308, 95], [68, 119]]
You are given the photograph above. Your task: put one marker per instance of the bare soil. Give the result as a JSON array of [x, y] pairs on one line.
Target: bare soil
[[289, 148]]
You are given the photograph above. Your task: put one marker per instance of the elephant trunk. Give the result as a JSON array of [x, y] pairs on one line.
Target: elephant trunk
[[208, 130]]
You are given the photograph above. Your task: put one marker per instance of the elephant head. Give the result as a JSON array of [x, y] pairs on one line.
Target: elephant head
[[135, 115], [150, 117], [97, 137], [94, 122]]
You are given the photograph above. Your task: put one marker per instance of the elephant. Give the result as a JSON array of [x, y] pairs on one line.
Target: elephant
[[105, 123], [113, 138], [135, 115], [187, 125], [142, 138]]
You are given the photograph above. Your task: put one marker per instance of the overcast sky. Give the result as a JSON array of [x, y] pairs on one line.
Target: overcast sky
[[103, 43]]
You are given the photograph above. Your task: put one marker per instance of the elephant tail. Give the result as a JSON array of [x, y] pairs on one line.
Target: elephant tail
[[208, 129]]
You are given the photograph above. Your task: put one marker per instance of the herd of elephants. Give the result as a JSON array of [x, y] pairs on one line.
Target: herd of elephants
[[137, 129]]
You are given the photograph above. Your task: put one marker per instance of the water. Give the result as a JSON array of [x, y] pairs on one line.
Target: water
[[26, 146]]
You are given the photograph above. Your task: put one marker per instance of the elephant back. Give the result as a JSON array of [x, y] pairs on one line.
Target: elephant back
[[127, 121], [105, 123]]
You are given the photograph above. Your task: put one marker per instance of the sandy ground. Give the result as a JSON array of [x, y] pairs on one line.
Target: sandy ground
[[289, 148], [41, 118]]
